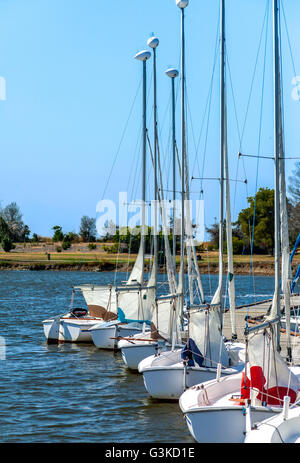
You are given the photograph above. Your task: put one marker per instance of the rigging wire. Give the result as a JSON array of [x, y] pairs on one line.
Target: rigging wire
[[122, 138]]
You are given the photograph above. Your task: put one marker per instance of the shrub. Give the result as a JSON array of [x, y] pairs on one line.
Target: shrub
[[7, 244], [111, 249], [92, 246], [66, 245], [35, 238], [211, 247], [58, 249]]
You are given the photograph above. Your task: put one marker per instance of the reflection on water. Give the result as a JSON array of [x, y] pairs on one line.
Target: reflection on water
[[77, 393]]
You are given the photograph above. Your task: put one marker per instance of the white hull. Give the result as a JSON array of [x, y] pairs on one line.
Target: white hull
[[66, 329], [212, 414], [166, 378], [277, 430], [103, 334], [225, 425], [133, 352]]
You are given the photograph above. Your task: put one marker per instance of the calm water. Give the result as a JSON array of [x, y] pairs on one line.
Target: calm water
[[77, 393]]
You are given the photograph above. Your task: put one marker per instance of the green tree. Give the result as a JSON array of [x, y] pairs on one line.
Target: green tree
[[263, 205], [88, 230], [4, 228], [58, 234], [18, 231], [26, 233]]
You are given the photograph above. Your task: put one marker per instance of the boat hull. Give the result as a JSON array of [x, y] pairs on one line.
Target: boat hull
[[170, 382], [277, 430], [68, 330], [133, 354], [102, 336], [166, 377], [222, 425]]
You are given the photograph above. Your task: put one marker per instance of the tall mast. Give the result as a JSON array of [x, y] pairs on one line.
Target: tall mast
[[218, 299], [222, 135], [277, 150], [173, 73], [153, 42], [225, 162], [144, 56], [182, 4]]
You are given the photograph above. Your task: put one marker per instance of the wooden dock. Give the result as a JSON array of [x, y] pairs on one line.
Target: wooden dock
[[259, 309]]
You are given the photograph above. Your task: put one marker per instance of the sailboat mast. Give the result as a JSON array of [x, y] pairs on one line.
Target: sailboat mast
[[144, 164], [153, 42], [182, 4], [174, 168], [144, 56], [277, 138], [173, 73], [222, 146]]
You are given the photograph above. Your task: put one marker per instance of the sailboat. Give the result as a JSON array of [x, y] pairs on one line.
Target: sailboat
[[74, 325], [134, 301], [215, 410], [205, 354]]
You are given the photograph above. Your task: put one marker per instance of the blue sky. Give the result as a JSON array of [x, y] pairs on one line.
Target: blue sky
[[71, 81]]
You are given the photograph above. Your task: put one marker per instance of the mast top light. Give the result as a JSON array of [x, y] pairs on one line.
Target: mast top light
[[172, 72], [182, 3], [143, 55], [153, 42]]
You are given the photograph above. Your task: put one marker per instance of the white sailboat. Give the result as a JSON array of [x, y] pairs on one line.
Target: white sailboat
[[74, 325], [215, 410], [167, 375]]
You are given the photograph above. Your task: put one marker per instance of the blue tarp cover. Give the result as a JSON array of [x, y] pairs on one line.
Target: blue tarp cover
[[191, 352]]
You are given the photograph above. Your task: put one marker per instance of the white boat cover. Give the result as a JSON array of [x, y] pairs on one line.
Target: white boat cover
[[136, 305], [102, 296], [205, 332], [270, 377], [165, 317]]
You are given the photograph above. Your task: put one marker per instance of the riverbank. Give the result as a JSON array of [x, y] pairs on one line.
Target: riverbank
[[80, 258]]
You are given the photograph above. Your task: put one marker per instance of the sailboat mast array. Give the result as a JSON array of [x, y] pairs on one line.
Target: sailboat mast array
[[178, 345]]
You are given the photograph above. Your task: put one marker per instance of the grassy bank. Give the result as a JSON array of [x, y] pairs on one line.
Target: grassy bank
[[79, 257]]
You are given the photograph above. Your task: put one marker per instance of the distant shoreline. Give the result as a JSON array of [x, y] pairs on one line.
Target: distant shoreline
[[259, 268], [45, 257]]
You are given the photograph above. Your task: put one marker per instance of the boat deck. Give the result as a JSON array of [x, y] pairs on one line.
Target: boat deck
[[257, 310]]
